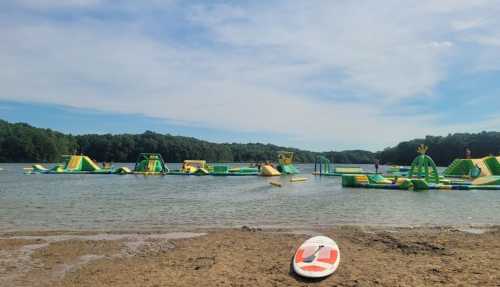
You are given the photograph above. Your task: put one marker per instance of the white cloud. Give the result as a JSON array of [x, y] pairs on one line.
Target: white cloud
[[461, 25], [454, 6], [273, 69], [491, 40], [51, 4], [377, 49], [440, 45]]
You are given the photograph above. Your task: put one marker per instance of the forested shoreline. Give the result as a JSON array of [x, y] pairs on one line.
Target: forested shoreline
[[21, 142]]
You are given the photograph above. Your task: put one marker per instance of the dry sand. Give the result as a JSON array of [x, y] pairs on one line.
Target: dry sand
[[250, 257]]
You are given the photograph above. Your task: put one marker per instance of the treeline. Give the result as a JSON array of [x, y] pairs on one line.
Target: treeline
[[351, 156], [21, 142], [126, 147]]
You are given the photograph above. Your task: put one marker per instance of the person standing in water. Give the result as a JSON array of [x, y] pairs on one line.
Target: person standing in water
[[376, 162], [467, 153]]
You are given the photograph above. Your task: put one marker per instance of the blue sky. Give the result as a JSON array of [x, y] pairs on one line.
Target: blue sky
[[320, 75]]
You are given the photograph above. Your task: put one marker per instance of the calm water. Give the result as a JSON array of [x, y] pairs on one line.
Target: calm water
[[37, 202]]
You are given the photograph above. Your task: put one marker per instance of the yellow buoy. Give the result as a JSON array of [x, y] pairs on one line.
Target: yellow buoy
[[298, 179]]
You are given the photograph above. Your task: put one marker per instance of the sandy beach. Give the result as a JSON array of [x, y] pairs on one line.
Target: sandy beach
[[250, 257]]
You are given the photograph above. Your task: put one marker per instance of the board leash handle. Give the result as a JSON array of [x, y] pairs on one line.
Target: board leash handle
[[311, 257]]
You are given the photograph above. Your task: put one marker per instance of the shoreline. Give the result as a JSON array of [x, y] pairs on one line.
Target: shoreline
[[195, 228], [249, 256]]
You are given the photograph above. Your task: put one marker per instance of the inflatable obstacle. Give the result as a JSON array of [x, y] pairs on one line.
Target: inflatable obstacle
[[193, 167], [473, 168], [285, 163], [424, 167], [396, 170], [288, 169], [269, 170], [244, 171], [379, 182], [487, 180], [72, 164], [322, 167], [223, 170], [220, 170], [149, 164]]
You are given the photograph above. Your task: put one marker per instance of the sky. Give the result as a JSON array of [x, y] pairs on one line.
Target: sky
[[318, 75]]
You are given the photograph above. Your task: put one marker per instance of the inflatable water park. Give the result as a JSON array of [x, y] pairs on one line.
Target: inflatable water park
[[462, 174], [153, 164]]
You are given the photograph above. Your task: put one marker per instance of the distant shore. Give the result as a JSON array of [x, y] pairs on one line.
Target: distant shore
[[381, 256]]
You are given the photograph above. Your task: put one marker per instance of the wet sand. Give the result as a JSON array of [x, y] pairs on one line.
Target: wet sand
[[250, 257]]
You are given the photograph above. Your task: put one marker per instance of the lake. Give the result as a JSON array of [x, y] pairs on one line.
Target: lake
[[132, 202]]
